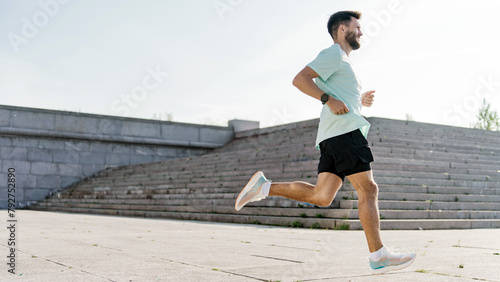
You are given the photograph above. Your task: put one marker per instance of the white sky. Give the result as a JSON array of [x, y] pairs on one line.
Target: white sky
[[429, 59]]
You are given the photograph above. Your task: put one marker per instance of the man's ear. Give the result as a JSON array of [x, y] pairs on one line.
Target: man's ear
[[341, 27]]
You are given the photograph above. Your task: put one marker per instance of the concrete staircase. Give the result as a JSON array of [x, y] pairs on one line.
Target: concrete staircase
[[430, 177]]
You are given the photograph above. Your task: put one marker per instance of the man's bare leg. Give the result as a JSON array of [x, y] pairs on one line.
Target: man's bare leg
[[368, 211], [321, 194]]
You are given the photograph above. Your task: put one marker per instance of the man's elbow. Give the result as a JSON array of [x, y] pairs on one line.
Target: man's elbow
[[296, 80]]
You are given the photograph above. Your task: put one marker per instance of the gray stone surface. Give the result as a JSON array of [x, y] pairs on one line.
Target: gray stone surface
[[33, 194], [75, 123], [90, 169], [50, 144], [243, 125], [80, 247], [142, 129], [109, 127], [176, 132], [215, 136], [48, 181], [25, 142], [19, 166], [61, 156], [141, 159], [37, 155], [14, 153], [69, 180], [4, 117], [24, 180], [5, 142], [30, 119], [117, 159], [43, 168], [93, 158], [68, 169]]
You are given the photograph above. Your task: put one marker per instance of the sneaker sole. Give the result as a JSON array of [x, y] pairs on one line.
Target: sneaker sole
[[249, 185], [393, 268]]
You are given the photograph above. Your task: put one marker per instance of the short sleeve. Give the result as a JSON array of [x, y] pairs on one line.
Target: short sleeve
[[326, 63]]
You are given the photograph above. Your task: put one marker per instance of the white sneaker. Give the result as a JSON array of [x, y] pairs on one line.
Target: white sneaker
[[390, 261], [252, 191]]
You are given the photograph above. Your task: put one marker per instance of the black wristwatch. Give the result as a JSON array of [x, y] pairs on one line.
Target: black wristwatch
[[324, 98]]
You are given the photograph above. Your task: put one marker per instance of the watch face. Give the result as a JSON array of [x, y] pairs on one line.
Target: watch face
[[324, 98]]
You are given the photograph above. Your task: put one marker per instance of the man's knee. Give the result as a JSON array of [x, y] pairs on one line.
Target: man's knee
[[369, 190], [323, 202], [323, 196]]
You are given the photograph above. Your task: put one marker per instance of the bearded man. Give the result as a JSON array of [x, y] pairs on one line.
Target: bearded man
[[341, 139]]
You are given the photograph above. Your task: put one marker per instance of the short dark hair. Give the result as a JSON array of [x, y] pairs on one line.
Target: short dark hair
[[342, 17]]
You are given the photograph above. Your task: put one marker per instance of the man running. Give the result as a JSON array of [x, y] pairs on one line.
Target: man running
[[341, 139]]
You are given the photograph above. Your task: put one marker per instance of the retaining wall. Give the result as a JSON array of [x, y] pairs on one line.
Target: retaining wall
[[51, 150]]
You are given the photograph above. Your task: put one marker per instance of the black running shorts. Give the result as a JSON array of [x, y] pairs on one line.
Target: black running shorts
[[345, 154]]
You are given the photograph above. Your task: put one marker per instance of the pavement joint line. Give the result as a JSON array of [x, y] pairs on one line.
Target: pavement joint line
[[91, 245], [67, 266], [356, 276], [180, 262], [452, 275], [243, 275], [207, 268], [289, 247], [282, 259], [472, 247]]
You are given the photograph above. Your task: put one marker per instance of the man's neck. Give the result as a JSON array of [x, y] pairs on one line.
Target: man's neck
[[345, 46]]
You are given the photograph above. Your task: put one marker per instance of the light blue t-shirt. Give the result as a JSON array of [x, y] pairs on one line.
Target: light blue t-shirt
[[338, 79]]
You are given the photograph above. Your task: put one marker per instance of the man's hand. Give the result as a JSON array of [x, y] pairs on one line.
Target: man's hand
[[367, 98], [336, 106]]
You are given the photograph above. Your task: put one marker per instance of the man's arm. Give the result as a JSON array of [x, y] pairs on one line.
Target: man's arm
[[305, 83]]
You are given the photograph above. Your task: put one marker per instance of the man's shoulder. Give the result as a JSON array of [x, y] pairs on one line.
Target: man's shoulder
[[331, 53], [335, 49]]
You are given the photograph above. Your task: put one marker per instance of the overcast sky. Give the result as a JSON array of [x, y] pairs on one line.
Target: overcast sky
[[206, 61]]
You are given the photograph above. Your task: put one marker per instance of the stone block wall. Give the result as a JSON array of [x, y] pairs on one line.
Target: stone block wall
[[51, 150]]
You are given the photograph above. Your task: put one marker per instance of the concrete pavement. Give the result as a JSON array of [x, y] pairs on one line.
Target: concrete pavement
[[79, 247]]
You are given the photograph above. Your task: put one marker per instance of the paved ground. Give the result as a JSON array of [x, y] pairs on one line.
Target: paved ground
[[78, 247]]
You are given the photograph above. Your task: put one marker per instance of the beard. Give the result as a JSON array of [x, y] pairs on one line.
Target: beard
[[352, 40]]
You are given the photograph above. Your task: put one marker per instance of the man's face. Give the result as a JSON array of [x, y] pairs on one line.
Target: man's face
[[353, 34]]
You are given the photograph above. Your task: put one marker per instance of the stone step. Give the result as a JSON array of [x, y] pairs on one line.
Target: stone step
[[441, 137], [427, 224], [310, 165], [294, 152], [411, 169], [306, 169], [421, 143], [423, 137], [344, 224], [236, 186], [284, 203], [401, 184], [427, 205], [241, 182], [401, 127], [269, 202], [248, 165], [217, 193], [304, 212]]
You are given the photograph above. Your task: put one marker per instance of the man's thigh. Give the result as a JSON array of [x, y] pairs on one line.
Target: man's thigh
[[328, 184]]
